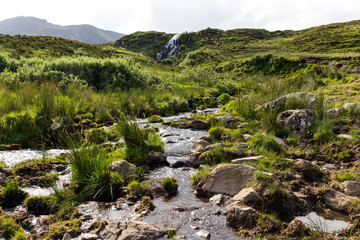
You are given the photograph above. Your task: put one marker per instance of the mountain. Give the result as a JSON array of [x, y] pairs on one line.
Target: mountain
[[34, 27]]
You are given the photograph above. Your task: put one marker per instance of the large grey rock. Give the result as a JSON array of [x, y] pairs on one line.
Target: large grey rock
[[297, 120], [351, 188], [337, 200], [137, 230], [228, 179], [124, 168], [247, 196], [238, 215]]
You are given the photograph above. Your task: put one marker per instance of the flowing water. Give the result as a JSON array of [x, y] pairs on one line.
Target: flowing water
[[171, 48], [184, 212]]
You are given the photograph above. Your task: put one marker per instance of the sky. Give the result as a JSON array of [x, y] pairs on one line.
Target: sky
[[176, 16]]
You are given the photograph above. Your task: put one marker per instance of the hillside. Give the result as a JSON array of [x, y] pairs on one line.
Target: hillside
[[34, 27], [216, 46]]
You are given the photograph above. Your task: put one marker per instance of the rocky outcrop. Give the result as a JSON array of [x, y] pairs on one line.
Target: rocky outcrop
[[189, 124], [124, 168], [351, 188], [228, 179], [337, 200], [297, 120]]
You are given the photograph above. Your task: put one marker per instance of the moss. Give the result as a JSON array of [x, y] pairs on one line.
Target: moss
[[11, 194], [170, 185], [58, 229], [9, 228], [155, 119], [41, 205]]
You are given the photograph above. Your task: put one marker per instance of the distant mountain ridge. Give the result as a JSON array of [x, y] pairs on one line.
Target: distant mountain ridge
[[39, 27]]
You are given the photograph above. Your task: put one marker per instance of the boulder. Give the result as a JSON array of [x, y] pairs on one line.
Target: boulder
[[194, 159], [180, 164], [137, 230], [238, 215], [229, 120], [307, 100], [248, 196], [217, 199], [203, 234], [297, 120], [228, 179], [124, 168], [351, 188], [157, 159], [157, 187], [112, 230], [296, 229], [200, 144], [310, 171], [337, 200], [190, 124]]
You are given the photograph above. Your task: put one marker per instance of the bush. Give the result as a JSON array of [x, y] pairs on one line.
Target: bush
[[216, 132], [170, 185], [208, 101], [223, 98]]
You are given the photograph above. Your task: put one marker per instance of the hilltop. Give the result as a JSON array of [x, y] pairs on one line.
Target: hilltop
[[39, 27]]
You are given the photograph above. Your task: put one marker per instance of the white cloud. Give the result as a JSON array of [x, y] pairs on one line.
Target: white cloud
[[186, 15]]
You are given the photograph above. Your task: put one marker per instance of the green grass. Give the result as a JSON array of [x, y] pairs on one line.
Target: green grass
[[170, 185], [92, 177]]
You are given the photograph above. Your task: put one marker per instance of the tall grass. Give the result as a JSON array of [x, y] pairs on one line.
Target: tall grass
[[138, 141], [92, 177]]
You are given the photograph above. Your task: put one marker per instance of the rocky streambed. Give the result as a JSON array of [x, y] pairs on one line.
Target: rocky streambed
[[191, 216]]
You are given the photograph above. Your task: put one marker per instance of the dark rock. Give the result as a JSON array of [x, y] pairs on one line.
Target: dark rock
[[190, 124], [180, 164], [124, 168], [337, 200], [157, 159]]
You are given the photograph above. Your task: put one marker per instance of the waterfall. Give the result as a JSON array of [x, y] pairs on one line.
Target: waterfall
[[170, 49]]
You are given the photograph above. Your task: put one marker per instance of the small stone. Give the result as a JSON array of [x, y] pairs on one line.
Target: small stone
[[217, 199], [344, 136], [89, 236], [246, 159], [247, 137], [203, 234], [66, 236], [247, 196]]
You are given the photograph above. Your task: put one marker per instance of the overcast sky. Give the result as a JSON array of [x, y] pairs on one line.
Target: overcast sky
[[175, 16]]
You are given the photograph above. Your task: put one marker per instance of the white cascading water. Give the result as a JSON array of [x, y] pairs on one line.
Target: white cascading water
[[170, 49]]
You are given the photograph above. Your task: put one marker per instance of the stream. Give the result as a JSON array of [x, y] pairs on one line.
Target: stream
[[184, 212]]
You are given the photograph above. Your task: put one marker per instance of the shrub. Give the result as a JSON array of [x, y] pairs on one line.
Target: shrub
[[208, 101], [223, 98], [216, 132], [170, 185]]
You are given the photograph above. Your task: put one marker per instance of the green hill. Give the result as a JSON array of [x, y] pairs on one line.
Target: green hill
[[34, 27]]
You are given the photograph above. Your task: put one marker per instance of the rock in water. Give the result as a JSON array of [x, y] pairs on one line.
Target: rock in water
[[228, 179]]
